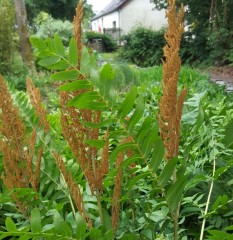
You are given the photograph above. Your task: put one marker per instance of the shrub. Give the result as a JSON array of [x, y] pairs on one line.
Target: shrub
[[7, 20], [46, 26], [144, 47], [108, 42]]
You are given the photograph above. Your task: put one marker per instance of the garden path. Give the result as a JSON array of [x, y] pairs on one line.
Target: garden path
[[222, 76]]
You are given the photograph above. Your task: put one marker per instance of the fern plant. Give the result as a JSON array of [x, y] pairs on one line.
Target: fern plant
[[115, 143]]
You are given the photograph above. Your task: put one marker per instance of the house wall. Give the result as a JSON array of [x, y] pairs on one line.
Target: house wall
[[140, 13], [106, 22]]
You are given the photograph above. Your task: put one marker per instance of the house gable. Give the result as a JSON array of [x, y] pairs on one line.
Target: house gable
[[127, 15]]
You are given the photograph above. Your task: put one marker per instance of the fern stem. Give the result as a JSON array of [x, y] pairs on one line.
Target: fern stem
[[208, 200], [70, 198], [176, 214], [98, 197]]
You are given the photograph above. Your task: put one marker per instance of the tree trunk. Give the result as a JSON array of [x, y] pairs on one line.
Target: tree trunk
[[26, 50]]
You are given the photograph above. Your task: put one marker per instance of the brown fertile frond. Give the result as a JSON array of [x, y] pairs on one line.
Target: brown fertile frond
[[117, 193], [74, 189], [12, 145], [171, 105], [118, 182], [36, 101], [12, 130], [76, 134], [78, 29]]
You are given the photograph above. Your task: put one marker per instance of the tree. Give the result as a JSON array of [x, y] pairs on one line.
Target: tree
[[209, 25], [26, 50], [59, 9]]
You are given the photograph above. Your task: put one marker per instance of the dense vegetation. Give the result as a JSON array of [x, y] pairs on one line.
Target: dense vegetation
[[143, 47], [210, 30], [207, 39], [89, 153]]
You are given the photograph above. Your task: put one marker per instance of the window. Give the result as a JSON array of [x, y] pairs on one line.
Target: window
[[114, 24]]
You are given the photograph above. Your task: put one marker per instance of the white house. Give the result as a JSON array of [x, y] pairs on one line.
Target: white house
[[124, 15]]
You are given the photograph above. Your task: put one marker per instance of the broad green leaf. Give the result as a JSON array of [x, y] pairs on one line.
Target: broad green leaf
[[128, 103], [158, 154], [175, 193], [97, 106], [133, 159], [222, 170], [66, 75], [35, 221], [59, 47], [121, 148], [220, 201], [88, 100], [147, 146], [219, 235], [167, 171], [107, 76], [95, 143], [134, 181], [228, 138], [103, 123], [109, 235], [61, 227], [144, 130], [95, 234], [126, 163], [10, 225], [130, 236], [85, 61], [116, 134], [76, 85], [230, 228], [86, 96], [73, 53], [81, 227], [61, 65], [137, 115], [38, 43], [6, 234], [46, 62], [50, 43], [107, 220]]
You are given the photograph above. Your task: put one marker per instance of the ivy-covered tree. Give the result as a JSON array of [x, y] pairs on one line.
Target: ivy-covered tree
[[22, 25]]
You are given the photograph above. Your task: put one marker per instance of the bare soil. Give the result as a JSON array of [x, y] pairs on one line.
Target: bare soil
[[222, 74]]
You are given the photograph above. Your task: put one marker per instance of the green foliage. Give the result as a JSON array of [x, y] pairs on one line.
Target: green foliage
[[108, 42], [205, 40], [46, 26], [58, 9], [99, 95], [7, 19], [148, 196], [144, 47]]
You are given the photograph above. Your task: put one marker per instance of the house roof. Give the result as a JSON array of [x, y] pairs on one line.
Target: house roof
[[111, 7]]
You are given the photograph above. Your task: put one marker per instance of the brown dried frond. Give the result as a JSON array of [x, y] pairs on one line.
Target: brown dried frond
[[117, 193], [105, 155], [78, 29], [74, 189], [12, 141], [170, 104], [12, 145], [35, 99]]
